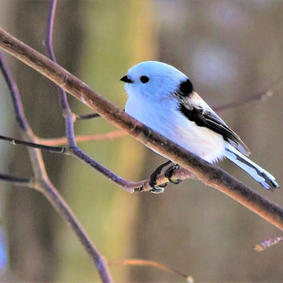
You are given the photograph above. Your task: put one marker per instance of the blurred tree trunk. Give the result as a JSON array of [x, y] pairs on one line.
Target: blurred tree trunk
[[228, 49], [31, 222], [119, 34]]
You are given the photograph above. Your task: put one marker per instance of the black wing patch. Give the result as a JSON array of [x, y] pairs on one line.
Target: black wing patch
[[185, 89], [209, 120]]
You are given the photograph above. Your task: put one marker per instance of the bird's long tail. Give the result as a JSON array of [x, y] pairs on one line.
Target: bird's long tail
[[256, 172]]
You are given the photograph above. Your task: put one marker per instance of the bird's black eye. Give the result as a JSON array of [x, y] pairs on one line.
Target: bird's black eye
[[144, 79]]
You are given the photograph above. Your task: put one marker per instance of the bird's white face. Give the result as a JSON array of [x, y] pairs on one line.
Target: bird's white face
[[153, 80]]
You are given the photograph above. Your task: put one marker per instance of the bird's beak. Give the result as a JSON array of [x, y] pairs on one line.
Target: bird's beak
[[126, 80]]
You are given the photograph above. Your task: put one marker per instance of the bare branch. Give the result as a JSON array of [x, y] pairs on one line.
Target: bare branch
[[18, 107], [84, 138], [98, 259], [129, 186], [267, 244], [179, 174], [87, 116], [142, 186], [41, 182], [69, 124], [258, 96], [207, 173], [154, 264], [17, 181], [54, 149]]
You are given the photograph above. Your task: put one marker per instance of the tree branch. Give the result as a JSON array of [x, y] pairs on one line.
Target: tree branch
[[87, 116], [17, 181], [98, 259], [258, 96], [84, 138], [17, 104], [70, 119], [41, 181], [144, 186], [154, 264], [55, 149], [207, 173]]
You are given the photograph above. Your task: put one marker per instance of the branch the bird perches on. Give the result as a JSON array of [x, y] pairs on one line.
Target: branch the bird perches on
[[207, 173]]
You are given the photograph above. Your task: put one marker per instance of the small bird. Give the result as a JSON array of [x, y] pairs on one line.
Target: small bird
[[163, 98]]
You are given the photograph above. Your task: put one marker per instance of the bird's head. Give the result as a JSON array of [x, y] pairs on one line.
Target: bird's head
[[153, 79]]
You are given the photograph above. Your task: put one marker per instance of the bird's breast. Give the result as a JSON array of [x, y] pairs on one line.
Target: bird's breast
[[165, 118]]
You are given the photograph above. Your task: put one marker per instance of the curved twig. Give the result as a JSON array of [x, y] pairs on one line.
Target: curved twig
[[258, 96], [208, 174], [41, 181], [98, 259], [154, 264]]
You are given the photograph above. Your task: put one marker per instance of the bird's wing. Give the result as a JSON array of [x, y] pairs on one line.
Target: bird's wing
[[196, 109]]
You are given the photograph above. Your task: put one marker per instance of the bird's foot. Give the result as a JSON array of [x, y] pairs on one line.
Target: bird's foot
[[157, 189], [152, 180], [169, 172]]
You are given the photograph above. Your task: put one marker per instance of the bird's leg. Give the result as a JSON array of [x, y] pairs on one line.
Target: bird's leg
[[169, 172], [152, 180]]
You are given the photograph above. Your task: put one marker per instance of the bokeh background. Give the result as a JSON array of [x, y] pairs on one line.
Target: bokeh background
[[230, 49]]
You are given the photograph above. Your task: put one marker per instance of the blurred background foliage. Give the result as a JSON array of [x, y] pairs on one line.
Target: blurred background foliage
[[230, 49]]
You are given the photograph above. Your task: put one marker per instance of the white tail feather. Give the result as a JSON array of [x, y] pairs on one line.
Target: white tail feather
[[255, 171]]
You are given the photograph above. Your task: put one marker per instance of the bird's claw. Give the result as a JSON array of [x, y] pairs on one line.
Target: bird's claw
[[152, 180], [169, 172], [158, 189]]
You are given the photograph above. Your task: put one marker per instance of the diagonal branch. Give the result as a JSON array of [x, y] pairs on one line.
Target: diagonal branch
[[144, 186], [70, 119], [207, 173], [258, 96], [17, 104], [263, 95]]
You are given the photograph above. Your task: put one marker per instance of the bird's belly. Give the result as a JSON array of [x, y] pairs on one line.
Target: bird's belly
[[200, 140], [173, 125]]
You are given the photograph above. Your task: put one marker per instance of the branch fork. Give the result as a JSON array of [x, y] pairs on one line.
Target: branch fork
[[192, 166]]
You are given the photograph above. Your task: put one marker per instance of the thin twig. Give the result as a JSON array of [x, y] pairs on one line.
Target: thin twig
[[87, 116], [84, 138], [142, 186], [258, 96], [129, 186], [42, 183], [118, 133], [69, 124], [154, 264], [98, 259], [17, 181], [54, 149], [207, 173], [17, 104], [268, 243]]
